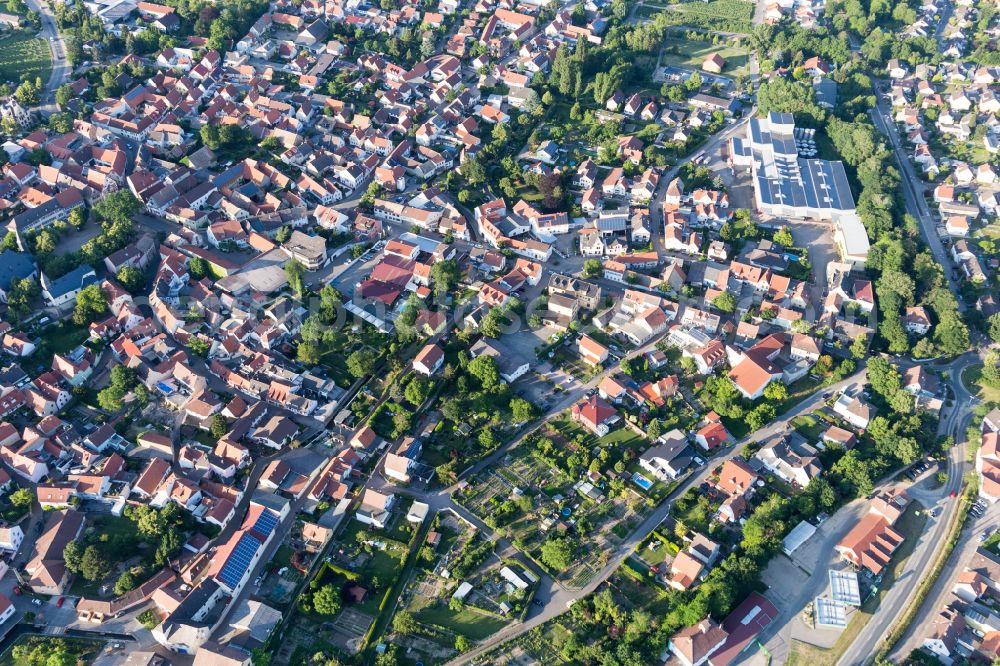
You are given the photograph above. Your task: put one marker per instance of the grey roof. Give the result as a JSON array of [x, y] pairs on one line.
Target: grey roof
[[15, 266], [78, 278]]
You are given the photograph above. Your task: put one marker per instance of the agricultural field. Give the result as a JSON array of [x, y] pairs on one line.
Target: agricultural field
[[24, 56], [720, 15]]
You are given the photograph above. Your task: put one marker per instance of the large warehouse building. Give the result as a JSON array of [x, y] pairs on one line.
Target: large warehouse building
[[788, 185]]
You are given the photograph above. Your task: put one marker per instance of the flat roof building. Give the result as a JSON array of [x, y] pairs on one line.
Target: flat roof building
[[844, 587], [830, 613], [788, 185]]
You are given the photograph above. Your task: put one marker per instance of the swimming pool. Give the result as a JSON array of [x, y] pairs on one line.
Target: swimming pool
[[641, 481]]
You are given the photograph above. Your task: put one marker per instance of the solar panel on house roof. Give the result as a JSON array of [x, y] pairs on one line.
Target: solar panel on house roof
[[266, 523], [239, 560]]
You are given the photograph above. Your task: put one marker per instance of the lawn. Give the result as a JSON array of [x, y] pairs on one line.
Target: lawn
[[466, 622], [690, 54], [283, 556], [623, 437], [810, 426], [24, 56], [972, 378], [382, 565], [60, 339]]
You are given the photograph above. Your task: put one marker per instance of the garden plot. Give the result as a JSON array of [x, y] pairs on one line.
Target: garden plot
[[350, 626], [488, 487]]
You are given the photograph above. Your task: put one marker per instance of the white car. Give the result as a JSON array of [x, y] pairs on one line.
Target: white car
[[37, 602]]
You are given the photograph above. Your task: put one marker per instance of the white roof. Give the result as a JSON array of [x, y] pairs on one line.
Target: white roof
[[797, 537], [844, 587], [830, 613], [463, 590], [417, 513]]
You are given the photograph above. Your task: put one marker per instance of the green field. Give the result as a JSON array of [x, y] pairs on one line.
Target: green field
[[23, 55], [716, 15], [972, 377], [690, 54], [465, 622]]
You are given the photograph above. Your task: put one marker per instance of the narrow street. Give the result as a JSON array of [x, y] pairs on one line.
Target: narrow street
[[913, 192], [61, 68], [557, 597], [934, 537]]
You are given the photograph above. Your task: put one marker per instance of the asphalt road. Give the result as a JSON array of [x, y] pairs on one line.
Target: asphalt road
[[60, 65], [913, 193], [935, 535], [557, 598]]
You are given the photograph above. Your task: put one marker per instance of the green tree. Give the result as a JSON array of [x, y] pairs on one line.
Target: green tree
[[94, 566], [132, 278], [199, 346], [592, 268], [417, 391], [361, 362], [90, 304], [330, 300], [403, 622], [118, 207], [485, 369], [725, 302], [521, 410], [952, 335], [783, 237], [859, 347], [776, 391], [994, 327], [445, 275], [64, 94], [557, 553], [22, 498], [198, 268], [73, 556], [295, 273], [77, 217], [492, 324], [326, 600], [462, 643], [219, 426], [125, 583]]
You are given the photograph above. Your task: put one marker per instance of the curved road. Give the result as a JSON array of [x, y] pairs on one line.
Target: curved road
[[60, 65], [934, 537], [556, 598]]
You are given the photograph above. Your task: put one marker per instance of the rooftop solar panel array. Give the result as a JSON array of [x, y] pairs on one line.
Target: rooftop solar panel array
[[239, 560], [784, 179], [266, 523]]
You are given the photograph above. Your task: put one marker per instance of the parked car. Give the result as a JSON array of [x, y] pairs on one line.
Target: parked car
[[60, 601], [37, 602]]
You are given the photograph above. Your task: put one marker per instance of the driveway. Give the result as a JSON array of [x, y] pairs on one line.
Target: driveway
[[818, 238]]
